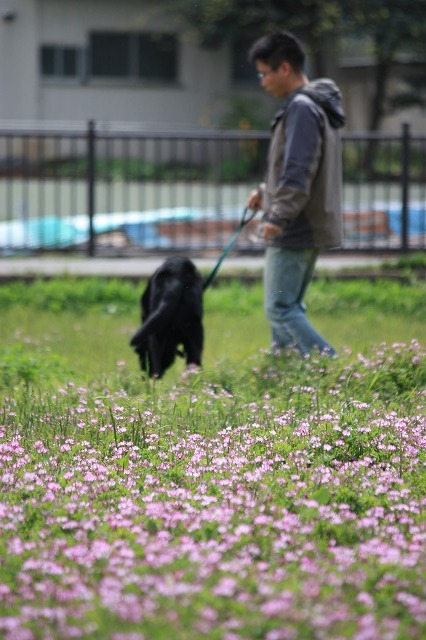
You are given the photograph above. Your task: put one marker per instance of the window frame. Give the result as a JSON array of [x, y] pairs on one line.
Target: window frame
[[58, 74]]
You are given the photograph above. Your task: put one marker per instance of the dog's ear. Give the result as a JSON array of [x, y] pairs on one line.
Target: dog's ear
[[145, 300], [138, 342], [143, 358], [163, 309]]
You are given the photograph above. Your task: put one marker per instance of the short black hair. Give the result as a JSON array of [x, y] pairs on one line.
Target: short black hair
[[277, 47]]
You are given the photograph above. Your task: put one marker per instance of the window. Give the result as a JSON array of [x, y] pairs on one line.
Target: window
[[145, 56], [110, 55], [61, 62], [157, 56]]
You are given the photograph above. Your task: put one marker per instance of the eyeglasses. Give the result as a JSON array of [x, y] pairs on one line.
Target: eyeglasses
[[263, 74]]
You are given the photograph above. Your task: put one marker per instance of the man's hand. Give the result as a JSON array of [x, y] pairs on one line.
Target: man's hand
[[254, 203], [269, 231]]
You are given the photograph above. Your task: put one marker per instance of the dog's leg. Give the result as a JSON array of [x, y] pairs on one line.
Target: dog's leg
[[155, 357], [194, 346]]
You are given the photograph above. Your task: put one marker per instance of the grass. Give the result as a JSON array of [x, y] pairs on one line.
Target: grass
[[78, 319], [265, 497]]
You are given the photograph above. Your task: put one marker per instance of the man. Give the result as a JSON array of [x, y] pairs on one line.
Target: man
[[301, 196]]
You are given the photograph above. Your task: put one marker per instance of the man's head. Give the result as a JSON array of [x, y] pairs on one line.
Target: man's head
[[279, 59]]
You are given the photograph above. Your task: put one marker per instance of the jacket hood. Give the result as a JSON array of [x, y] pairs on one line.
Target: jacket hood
[[327, 95]]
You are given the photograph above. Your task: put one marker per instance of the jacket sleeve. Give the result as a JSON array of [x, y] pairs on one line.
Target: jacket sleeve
[[302, 154]]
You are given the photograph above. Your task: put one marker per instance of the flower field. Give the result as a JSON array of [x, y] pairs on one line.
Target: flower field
[[284, 499]]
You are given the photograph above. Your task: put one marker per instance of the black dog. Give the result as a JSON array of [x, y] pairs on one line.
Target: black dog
[[172, 313]]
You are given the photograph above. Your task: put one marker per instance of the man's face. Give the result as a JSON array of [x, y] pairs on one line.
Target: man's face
[[276, 82]]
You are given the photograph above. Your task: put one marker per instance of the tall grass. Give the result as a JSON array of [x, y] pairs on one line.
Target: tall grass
[[265, 497]]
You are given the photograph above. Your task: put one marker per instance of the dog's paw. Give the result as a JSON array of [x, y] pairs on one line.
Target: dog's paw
[[191, 369]]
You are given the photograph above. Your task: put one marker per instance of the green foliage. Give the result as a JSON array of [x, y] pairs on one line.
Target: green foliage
[[71, 294], [388, 375], [219, 21], [384, 164], [233, 297], [242, 114], [411, 262], [391, 375], [237, 170], [388, 23], [386, 295], [25, 365], [125, 169]]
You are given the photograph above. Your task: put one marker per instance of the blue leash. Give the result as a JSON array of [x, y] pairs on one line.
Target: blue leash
[[245, 218]]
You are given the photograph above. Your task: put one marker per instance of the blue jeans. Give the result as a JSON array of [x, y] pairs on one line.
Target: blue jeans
[[286, 277]]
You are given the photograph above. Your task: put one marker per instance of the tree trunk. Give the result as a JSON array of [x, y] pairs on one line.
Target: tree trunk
[[378, 104], [377, 111]]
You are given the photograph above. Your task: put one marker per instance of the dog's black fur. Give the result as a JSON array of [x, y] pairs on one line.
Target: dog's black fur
[[172, 314]]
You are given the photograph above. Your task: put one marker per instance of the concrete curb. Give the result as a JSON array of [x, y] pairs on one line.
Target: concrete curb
[[48, 267]]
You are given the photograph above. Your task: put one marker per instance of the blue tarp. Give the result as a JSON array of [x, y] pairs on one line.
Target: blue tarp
[[416, 219], [51, 231], [39, 233], [141, 226]]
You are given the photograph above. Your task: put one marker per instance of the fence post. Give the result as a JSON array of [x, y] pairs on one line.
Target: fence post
[[91, 135], [405, 184]]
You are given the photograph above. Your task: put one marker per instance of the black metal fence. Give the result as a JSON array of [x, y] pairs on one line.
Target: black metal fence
[[133, 192]]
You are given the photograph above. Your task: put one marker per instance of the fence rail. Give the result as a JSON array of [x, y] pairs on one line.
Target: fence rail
[[132, 192]]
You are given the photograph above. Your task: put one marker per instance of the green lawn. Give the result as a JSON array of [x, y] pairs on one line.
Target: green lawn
[[91, 334]]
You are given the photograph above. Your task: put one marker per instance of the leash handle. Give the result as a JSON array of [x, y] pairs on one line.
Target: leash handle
[[245, 219]]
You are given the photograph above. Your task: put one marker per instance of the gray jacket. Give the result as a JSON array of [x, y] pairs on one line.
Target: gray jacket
[[302, 191]]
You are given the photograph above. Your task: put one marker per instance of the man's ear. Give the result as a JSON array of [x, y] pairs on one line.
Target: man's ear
[[285, 68]]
